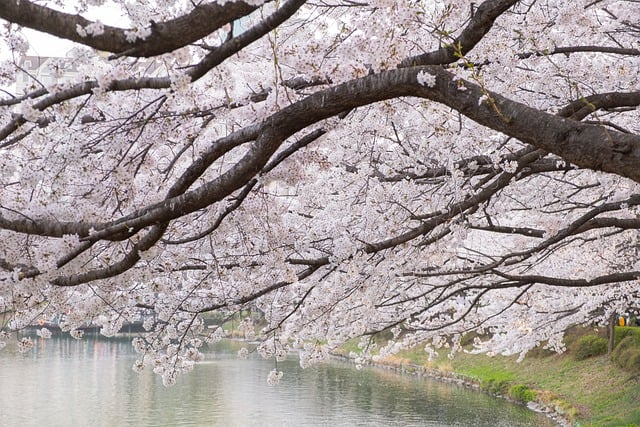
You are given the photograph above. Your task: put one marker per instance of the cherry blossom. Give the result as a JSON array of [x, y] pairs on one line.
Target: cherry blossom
[[402, 173]]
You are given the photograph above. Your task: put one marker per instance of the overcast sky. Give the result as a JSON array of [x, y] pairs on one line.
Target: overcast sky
[[46, 45]]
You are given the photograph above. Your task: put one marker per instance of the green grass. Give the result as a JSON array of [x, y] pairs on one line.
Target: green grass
[[624, 331], [483, 368], [591, 392], [522, 393], [594, 390]]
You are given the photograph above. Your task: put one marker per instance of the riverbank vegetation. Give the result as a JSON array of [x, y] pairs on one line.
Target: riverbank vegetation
[[584, 385]]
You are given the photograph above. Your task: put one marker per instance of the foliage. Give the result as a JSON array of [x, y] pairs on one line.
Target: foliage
[[522, 393], [626, 355], [420, 170], [589, 346], [622, 332], [605, 397], [495, 386]]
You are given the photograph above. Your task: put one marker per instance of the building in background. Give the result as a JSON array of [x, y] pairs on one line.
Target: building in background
[[38, 71]]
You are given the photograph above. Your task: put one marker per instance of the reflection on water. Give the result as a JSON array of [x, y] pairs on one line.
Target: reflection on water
[[64, 382]]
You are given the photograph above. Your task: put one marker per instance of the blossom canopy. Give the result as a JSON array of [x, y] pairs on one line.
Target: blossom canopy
[[409, 170]]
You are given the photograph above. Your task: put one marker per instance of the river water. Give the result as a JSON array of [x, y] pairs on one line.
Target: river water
[[64, 382]]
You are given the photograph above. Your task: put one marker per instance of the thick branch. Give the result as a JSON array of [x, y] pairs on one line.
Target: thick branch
[[525, 231], [234, 45], [573, 283], [164, 37], [595, 223], [574, 49], [480, 24], [608, 222], [241, 196], [581, 108], [127, 262], [586, 145], [496, 185]]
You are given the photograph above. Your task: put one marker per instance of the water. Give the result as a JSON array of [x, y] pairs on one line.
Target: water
[[64, 382]]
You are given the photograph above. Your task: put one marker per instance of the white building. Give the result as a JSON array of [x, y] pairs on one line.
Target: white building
[[38, 71]]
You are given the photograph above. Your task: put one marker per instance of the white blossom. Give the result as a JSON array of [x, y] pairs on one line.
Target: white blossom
[[426, 79], [93, 29], [189, 190], [137, 33], [25, 344], [274, 377], [82, 32], [138, 366]]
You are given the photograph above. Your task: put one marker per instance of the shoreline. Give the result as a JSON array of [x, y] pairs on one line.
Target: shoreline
[[450, 377]]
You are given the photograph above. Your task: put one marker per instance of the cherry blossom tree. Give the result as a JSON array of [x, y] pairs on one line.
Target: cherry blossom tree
[[414, 170]]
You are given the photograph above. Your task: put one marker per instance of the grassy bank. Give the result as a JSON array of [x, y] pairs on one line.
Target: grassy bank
[[593, 392], [589, 391], [584, 384]]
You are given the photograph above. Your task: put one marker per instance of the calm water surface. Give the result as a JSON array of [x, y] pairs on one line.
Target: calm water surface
[[64, 382]]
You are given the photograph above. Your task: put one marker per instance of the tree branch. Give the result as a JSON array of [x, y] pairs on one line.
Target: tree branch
[[573, 283], [163, 37], [581, 108], [574, 49], [480, 24], [585, 145]]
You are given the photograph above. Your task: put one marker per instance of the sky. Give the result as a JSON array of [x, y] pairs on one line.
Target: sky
[[46, 45]]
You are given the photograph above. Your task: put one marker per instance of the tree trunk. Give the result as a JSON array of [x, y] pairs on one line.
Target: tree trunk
[[612, 328]]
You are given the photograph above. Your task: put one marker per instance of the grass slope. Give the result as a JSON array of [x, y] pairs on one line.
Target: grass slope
[[590, 392], [593, 392]]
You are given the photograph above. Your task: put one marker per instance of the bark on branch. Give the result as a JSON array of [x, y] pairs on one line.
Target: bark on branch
[[480, 24], [567, 50], [573, 283], [164, 36], [586, 145]]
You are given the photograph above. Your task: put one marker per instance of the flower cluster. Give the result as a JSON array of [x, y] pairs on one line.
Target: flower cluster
[[426, 79], [25, 344], [94, 29], [274, 377]]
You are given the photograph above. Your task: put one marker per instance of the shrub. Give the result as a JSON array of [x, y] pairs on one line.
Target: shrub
[[633, 360], [494, 386], [626, 355], [522, 393], [589, 346], [622, 332], [625, 344]]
